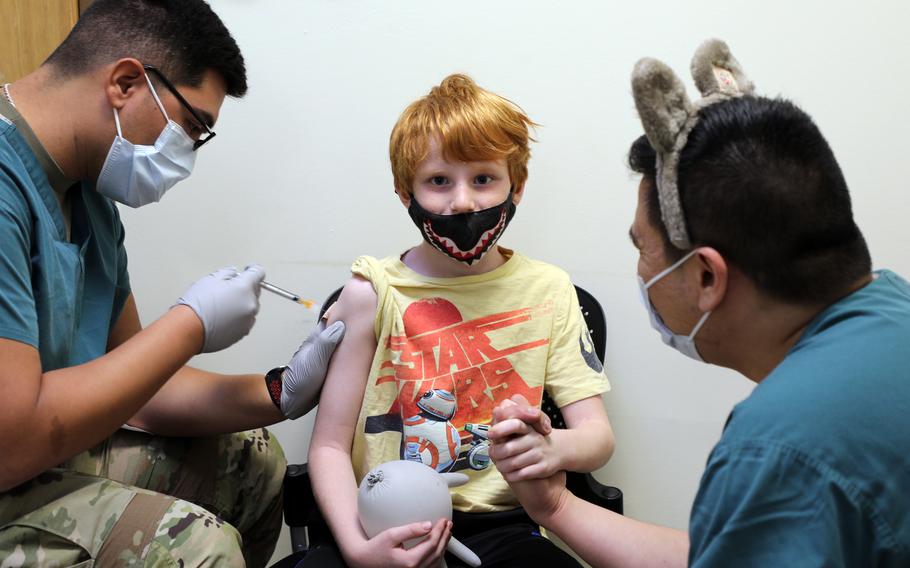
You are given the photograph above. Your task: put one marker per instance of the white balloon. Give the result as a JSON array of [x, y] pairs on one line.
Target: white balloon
[[402, 492]]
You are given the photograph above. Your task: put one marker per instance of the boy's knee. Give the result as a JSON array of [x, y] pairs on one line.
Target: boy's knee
[[189, 535]]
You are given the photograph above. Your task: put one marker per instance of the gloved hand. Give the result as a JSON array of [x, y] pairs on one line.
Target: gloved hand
[[303, 378], [227, 302]]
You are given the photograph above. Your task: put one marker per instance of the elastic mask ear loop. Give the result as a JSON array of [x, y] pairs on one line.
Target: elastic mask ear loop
[[157, 100], [669, 269], [117, 122], [700, 323]]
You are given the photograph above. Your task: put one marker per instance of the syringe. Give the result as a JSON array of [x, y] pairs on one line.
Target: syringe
[[286, 294]]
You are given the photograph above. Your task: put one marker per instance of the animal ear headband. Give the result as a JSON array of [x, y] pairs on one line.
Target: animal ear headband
[[668, 117]]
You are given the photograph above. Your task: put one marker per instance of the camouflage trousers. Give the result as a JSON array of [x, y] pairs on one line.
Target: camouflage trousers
[[143, 500]]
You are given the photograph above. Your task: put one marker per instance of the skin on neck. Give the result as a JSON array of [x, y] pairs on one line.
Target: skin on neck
[[748, 331], [425, 259], [56, 111], [760, 331]]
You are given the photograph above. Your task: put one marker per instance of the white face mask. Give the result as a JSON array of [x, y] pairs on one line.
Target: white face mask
[[137, 175], [685, 344]]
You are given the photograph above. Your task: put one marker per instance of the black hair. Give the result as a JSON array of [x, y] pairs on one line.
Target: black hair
[[183, 38], [759, 183]]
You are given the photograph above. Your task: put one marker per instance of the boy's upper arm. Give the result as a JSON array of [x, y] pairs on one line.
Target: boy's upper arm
[[342, 393], [590, 408]]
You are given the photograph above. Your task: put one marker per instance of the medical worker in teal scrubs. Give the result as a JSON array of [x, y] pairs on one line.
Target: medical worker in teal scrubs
[[111, 448], [750, 259]]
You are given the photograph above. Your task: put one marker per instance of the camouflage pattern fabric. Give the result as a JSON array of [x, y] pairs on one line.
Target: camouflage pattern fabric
[[143, 500]]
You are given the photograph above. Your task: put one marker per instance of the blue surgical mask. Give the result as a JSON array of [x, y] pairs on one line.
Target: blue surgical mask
[[136, 175], [685, 344]]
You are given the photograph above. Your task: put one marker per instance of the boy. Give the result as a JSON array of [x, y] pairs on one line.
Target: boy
[[438, 336]]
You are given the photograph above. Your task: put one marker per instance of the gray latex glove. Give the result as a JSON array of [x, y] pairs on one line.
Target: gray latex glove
[[302, 380], [227, 302]]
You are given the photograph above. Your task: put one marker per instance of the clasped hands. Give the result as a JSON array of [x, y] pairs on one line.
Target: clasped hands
[[523, 451]]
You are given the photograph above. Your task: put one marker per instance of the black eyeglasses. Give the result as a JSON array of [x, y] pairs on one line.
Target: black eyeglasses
[[209, 133]]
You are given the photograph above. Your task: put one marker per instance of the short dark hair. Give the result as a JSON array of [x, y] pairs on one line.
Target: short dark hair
[[759, 183], [183, 38]]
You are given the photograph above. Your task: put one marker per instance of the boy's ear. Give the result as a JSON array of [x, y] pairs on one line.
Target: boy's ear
[[517, 193], [404, 197]]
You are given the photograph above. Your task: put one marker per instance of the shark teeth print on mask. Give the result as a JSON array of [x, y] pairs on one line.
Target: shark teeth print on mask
[[448, 246], [465, 237]]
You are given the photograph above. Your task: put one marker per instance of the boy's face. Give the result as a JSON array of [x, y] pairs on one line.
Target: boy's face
[[449, 188], [461, 208]]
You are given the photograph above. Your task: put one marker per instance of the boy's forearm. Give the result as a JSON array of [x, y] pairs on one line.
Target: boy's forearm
[[335, 489], [583, 448]]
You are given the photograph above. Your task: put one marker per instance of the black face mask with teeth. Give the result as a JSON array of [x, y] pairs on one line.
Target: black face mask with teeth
[[465, 237]]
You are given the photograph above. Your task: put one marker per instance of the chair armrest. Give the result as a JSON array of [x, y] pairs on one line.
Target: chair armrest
[[585, 486], [299, 501]]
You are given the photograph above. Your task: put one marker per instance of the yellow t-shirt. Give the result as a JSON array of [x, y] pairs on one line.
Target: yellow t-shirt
[[450, 349]]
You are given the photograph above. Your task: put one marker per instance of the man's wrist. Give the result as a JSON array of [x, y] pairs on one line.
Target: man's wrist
[[191, 323], [553, 517], [274, 383]]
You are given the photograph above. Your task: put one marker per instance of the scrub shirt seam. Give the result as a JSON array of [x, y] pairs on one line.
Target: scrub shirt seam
[[35, 172], [821, 467], [15, 334], [889, 276]]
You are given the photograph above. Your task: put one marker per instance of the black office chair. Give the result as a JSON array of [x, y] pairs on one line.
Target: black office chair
[[309, 530]]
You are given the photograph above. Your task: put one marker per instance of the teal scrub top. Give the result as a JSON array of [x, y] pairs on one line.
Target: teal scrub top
[[813, 468], [61, 296]]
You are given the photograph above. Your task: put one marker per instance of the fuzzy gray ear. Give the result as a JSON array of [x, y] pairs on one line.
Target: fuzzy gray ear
[[715, 70], [662, 103]]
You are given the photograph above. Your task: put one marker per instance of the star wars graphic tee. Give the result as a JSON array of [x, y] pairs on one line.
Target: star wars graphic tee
[[450, 349]]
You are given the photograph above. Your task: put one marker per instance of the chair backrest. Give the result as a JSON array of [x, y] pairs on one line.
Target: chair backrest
[[593, 315], [333, 297], [596, 320]]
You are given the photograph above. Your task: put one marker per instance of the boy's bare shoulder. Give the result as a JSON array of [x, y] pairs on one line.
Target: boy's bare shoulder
[[359, 292], [357, 301]]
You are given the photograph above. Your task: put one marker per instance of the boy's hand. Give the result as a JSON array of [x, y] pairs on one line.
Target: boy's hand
[[387, 548], [519, 407], [540, 497], [519, 449]]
